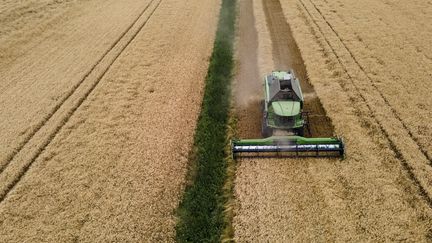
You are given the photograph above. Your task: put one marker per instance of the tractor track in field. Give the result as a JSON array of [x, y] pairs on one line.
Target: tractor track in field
[[263, 203], [27, 153], [398, 155], [247, 83], [286, 55], [72, 91], [394, 112]]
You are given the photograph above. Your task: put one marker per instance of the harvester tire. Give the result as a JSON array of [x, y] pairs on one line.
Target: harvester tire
[[265, 130], [299, 131]]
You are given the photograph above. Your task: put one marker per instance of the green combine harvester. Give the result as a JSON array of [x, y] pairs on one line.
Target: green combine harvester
[[284, 123]]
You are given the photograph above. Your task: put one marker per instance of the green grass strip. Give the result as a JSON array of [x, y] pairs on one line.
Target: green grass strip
[[201, 211]]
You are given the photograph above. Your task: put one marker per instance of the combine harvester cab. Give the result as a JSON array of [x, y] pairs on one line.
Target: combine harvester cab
[[282, 113]]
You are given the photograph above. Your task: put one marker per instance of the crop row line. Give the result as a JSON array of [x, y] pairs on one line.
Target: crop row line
[[395, 113], [392, 145], [39, 149], [11, 156]]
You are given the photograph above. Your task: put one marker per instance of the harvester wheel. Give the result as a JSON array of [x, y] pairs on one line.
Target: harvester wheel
[[265, 130], [299, 131]]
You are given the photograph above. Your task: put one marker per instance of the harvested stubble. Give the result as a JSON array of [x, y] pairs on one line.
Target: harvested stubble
[[116, 169], [379, 192]]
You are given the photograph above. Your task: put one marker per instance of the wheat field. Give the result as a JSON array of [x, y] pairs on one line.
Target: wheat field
[[99, 101], [369, 64]]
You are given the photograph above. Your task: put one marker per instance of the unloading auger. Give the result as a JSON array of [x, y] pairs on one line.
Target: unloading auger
[[283, 111]]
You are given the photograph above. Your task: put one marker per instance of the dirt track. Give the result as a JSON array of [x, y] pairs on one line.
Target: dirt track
[[98, 108], [381, 190]]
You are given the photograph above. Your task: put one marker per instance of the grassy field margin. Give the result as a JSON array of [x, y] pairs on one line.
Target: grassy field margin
[[202, 211]]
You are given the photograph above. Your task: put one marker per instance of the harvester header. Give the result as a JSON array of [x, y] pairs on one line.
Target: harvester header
[[295, 146]]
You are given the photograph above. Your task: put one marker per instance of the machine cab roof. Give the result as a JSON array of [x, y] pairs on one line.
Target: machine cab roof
[[283, 93]]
